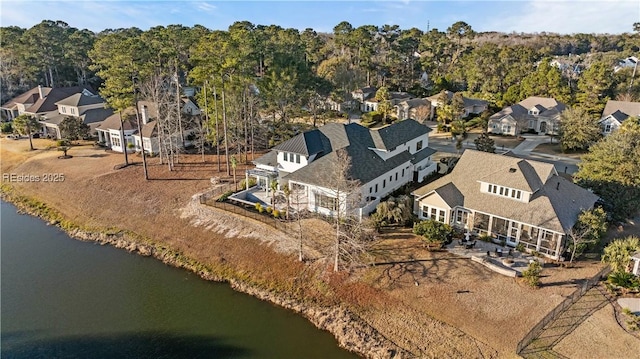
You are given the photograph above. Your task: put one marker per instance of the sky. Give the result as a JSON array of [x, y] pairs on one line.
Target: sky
[[528, 16]]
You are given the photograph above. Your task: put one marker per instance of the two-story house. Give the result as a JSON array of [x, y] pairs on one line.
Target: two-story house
[[615, 112], [511, 199], [382, 160], [539, 114], [52, 105]]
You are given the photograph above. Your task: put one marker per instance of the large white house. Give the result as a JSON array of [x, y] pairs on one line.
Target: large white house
[[511, 199], [615, 112], [382, 160], [539, 114]]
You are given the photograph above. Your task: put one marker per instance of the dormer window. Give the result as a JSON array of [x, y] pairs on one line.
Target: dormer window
[[63, 109], [534, 111], [504, 191], [285, 156]]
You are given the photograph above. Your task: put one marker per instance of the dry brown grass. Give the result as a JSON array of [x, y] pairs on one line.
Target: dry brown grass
[[458, 308], [556, 150]]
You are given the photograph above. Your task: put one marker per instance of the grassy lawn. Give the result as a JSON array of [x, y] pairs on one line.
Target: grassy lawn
[[554, 149]]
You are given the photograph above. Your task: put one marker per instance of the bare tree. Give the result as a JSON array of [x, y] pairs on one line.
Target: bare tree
[[345, 191]]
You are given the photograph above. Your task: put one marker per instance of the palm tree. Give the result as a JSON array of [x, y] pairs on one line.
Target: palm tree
[[618, 253]]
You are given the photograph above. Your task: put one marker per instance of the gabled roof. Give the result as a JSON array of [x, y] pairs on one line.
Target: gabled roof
[[624, 107], [269, 159], [150, 129], [414, 102], [48, 103], [547, 107], [307, 143], [96, 115], [546, 102], [555, 203], [391, 136], [359, 142], [28, 97], [468, 102], [80, 99], [113, 122]]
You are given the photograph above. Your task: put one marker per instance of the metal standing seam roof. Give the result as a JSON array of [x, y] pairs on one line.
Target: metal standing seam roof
[[555, 206]]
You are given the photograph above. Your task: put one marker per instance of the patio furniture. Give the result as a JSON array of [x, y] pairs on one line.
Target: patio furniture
[[499, 252], [469, 245]]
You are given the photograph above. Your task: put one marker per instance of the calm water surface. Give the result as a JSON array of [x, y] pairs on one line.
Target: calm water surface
[[62, 298]]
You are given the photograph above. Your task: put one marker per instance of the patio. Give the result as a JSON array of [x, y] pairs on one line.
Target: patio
[[494, 254]]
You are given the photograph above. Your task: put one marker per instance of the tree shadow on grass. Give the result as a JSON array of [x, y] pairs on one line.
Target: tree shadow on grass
[[136, 345]]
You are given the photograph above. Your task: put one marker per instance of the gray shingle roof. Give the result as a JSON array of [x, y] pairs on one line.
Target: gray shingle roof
[[358, 141], [56, 94], [269, 159], [80, 99], [392, 136], [422, 154], [96, 115], [551, 208], [625, 107]]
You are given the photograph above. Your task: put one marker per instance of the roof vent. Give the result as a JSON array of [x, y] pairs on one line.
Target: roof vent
[[558, 186], [512, 170]]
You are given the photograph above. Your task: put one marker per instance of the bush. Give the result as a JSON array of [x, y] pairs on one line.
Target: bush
[[276, 213], [259, 207], [624, 280], [485, 237], [520, 247], [62, 143], [243, 183], [269, 210], [433, 231], [225, 196], [531, 275], [6, 127]]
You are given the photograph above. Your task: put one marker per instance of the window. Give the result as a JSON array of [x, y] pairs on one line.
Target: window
[[370, 189], [384, 183], [285, 156], [607, 128], [490, 189], [297, 158], [433, 213], [499, 226], [513, 193], [425, 211], [502, 191], [73, 110], [518, 194], [326, 201], [376, 188], [403, 172], [441, 216], [115, 141], [418, 146], [481, 221], [390, 178], [396, 176], [63, 109]]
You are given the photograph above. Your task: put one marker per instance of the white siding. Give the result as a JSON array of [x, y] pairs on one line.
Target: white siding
[[291, 165]]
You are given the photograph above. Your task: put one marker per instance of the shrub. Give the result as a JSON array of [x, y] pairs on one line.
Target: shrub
[[243, 183], [520, 247], [485, 237], [531, 275], [62, 143], [276, 213], [258, 207], [225, 196], [432, 231], [6, 127], [624, 280], [269, 210]]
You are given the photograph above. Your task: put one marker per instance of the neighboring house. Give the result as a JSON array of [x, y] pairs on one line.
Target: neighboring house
[[52, 105], [17, 105], [364, 93], [538, 114], [630, 61], [615, 112], [513, 200], [382, 160], [109, 131], [418, 109], [84, 105], [147, 137], [371, 104], [471, 105]]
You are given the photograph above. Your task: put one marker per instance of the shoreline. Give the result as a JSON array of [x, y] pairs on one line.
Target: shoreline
[[350, 331]]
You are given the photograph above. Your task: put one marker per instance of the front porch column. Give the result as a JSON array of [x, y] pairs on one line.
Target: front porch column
[[246, 180]]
